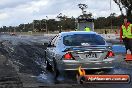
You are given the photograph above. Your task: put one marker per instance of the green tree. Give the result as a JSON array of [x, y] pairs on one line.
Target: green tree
[[125, 4]]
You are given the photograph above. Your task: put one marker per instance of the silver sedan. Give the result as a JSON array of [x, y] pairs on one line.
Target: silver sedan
[[69, 50]]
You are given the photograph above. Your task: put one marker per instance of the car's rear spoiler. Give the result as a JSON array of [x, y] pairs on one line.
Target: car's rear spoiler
[[93, 48]]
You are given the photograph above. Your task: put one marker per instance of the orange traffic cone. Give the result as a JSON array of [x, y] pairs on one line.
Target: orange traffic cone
[[128, 56]]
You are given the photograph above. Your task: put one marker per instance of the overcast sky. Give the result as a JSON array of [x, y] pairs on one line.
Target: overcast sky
[[15, 12]]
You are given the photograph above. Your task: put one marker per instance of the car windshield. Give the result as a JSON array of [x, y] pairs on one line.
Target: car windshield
[[83, 40]]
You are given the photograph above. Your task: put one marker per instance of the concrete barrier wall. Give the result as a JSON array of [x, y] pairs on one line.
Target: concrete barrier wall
[[105, 36], [110, 36]]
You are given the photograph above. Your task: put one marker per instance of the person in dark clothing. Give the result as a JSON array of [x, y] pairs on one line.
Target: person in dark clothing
[[105, 32]]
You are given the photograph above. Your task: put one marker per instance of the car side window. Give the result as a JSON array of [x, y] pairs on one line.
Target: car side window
[[53, 41], [56, 41]]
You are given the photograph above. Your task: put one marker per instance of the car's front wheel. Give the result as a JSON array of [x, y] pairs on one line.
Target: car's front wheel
[[55, 70], [48, 66]]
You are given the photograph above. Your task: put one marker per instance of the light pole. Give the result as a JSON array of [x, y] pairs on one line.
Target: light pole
[[60, 19], [46, 24], [75, 21], [14, 30], [23, 27], [8, 30], [40, 24], [33, 25]]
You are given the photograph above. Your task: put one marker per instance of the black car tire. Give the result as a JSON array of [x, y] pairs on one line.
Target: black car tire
[[48, 66], [55, 70]]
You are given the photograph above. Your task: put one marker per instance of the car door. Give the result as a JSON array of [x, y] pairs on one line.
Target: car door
[[50, 52]]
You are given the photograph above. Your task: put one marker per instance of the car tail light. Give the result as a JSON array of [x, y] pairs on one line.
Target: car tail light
[[68, 56], [109, 54]]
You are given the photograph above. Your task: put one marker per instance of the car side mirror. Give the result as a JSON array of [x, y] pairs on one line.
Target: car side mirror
[[49, 45], [46, 44]]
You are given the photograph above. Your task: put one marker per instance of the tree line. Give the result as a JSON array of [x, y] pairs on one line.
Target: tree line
[[64, 23]]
